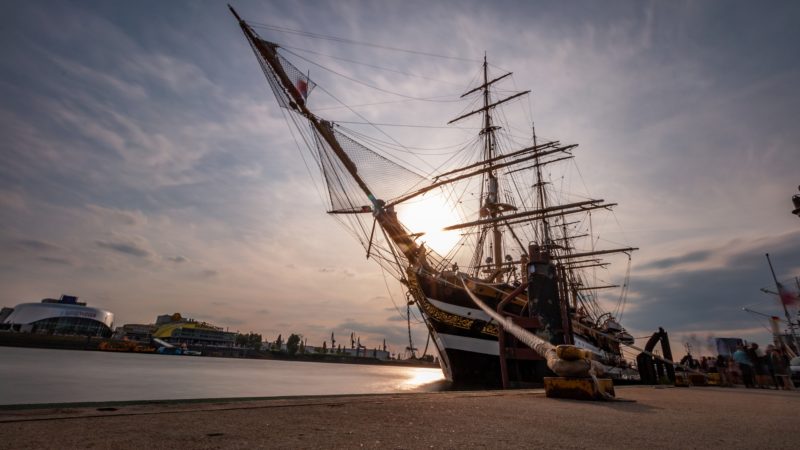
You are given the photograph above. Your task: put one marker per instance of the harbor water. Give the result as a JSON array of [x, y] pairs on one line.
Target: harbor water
[[29, 375]]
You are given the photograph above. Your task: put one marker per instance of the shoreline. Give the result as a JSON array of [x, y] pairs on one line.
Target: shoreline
[[20, 340]]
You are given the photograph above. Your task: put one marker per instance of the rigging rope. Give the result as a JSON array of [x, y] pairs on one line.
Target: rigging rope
[[387, 102], [404, 125], [410, 97], [623, 296], [287, 30], [374, 66], [427, 341]]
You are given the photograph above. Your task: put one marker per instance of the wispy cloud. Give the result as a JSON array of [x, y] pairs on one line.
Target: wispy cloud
[[711, 297], [208, 273], [116, 216], [666, 263], [55, 260], [126, 248], [37, 245]]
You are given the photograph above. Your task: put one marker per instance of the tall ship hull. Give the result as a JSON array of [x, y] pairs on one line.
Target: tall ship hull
[[469, 340], [518, 264]]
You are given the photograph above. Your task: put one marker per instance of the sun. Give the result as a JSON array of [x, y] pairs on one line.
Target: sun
[[429, 214]]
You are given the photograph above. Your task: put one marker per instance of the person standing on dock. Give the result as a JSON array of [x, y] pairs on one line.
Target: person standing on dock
[[757, 359], [779, 367], [745, 366]]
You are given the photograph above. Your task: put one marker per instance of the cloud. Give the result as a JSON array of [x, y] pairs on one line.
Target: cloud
[[126, 248], [177, 259], [230, 321], [208, 273], [116, 216], [220, 321], [129, 89], [711, 296], [347, 273], [37, 245], [666, 263], [55, 260], [396, 318]]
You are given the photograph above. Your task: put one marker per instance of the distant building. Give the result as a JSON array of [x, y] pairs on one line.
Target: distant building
[[358, 353], [66, 316], [135, 332], [176, 329], [366, 353]]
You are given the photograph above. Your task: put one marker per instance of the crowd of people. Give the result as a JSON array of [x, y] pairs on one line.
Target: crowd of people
[[751, 366]]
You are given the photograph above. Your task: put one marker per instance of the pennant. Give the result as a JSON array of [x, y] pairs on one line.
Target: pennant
[[302, 88], [788, 297]]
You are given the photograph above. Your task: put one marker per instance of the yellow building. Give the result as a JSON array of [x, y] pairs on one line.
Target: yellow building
[[176, 329]]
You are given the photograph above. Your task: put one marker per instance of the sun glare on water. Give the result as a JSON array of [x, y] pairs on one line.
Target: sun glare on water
[[429, 214], [418, 377]]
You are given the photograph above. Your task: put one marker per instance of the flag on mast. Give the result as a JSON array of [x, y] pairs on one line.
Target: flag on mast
[[302, 88], [788, 297]]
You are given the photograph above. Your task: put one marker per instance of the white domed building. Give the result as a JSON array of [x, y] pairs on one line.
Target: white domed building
[[64, 316]]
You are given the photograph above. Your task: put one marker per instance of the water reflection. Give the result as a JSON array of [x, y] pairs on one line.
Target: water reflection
[[422, 379]]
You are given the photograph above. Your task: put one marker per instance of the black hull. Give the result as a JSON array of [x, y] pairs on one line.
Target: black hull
[[477, 370], [467, 339]]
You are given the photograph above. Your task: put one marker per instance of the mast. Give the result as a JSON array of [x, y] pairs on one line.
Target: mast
[[780, 298], [492, 206], [541, 194], [492, 194]]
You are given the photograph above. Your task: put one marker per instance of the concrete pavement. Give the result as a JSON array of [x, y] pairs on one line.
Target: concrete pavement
[[697, 417]]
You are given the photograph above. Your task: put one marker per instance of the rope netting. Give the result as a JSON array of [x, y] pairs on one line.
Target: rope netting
[[300, 81]]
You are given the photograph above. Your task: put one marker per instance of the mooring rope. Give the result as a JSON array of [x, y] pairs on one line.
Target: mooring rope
[[539, 345], [536, 343], [653, 355]]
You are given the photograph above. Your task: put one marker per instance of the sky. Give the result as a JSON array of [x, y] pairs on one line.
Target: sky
[[146, 168]]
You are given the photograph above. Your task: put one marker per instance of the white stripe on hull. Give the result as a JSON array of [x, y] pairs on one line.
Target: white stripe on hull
[[489, 347], [486, 347], [470, 313], [582, 343]]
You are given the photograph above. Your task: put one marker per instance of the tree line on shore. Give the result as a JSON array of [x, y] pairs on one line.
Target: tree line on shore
[[296, 344]]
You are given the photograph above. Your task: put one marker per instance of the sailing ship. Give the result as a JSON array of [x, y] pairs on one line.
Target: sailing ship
[[516, 254]]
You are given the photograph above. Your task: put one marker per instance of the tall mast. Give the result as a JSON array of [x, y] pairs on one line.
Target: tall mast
[[492, 194], [780, 298], [541, 194], [492, 205]]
